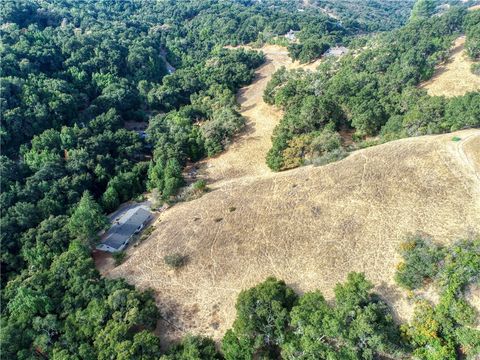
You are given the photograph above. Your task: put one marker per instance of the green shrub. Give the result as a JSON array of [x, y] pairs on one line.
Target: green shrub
[[475, 68], [119, 257], [140, 198], [194, 191], [329, 157], [145, 234], [393, 128], [421, 261], [200, 185], [176, 260], [326, 141]]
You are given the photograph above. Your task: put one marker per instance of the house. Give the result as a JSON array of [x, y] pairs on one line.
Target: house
[[123, 228], [291, 35], [336, 51]]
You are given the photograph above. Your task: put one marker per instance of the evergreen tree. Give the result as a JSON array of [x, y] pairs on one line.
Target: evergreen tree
[[423, 9], [87, 219]]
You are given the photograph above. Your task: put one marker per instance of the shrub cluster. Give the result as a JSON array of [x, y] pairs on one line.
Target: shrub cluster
[[445, 329]]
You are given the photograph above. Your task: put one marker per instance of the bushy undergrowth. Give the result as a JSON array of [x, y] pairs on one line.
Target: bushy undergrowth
[[119, 257], [421, 260], [446, 329], [176, 260]]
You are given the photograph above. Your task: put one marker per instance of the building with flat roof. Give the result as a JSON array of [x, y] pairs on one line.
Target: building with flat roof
[[123, 228], [337, 51], [291, 35]]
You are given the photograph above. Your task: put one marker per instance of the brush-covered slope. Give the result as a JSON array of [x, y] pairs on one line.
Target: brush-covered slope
[[309, 226]]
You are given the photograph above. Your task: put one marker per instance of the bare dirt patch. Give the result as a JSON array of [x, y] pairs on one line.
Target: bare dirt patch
[[104, 261], [310, 226], [453, 78]]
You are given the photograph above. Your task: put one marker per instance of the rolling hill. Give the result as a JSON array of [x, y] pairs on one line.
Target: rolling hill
[[454, 77], [310, 226]]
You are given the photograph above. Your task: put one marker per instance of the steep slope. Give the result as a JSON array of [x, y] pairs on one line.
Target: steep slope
[[246, 155], [309, 226], [454, 77]]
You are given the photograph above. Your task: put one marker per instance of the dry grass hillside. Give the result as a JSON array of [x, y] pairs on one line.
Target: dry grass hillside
[[246, 155], [310, 226], [454, 77]]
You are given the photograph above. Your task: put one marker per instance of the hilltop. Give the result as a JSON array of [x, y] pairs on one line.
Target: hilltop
[[310, 226]]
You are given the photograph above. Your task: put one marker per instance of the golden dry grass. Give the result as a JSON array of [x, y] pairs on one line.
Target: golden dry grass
[[310, 226], [453, 78], [246, 155]]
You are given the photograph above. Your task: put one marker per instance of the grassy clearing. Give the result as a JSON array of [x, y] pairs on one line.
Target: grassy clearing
[[455, 77]]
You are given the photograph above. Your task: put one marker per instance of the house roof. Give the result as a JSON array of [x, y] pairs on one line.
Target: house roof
[[337, 51], [125, 226]]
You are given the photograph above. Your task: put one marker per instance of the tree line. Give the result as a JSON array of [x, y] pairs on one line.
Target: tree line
[[372, 92], [72, 75]]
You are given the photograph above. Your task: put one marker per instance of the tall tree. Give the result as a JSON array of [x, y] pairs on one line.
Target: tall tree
[[87, 219], [423, 9]]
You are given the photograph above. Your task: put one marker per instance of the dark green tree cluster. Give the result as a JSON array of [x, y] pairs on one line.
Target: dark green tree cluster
[[472, 32], [61, 308], [66, 73], [423, 9], [368, 15], [373, 91], [57, 167], [273, 322], [446, 329], [207, 115], [308, 50], [198, 26], [345, 18]]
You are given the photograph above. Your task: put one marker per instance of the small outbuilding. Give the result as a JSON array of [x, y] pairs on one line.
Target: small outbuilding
[[123, 228], [291, 35], [337, 51]]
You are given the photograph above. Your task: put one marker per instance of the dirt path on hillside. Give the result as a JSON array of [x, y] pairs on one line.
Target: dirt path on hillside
[[454, 77], [246, 155]]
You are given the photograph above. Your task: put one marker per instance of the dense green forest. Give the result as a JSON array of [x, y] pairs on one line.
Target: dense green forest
[[372, 92], [75, 73]]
